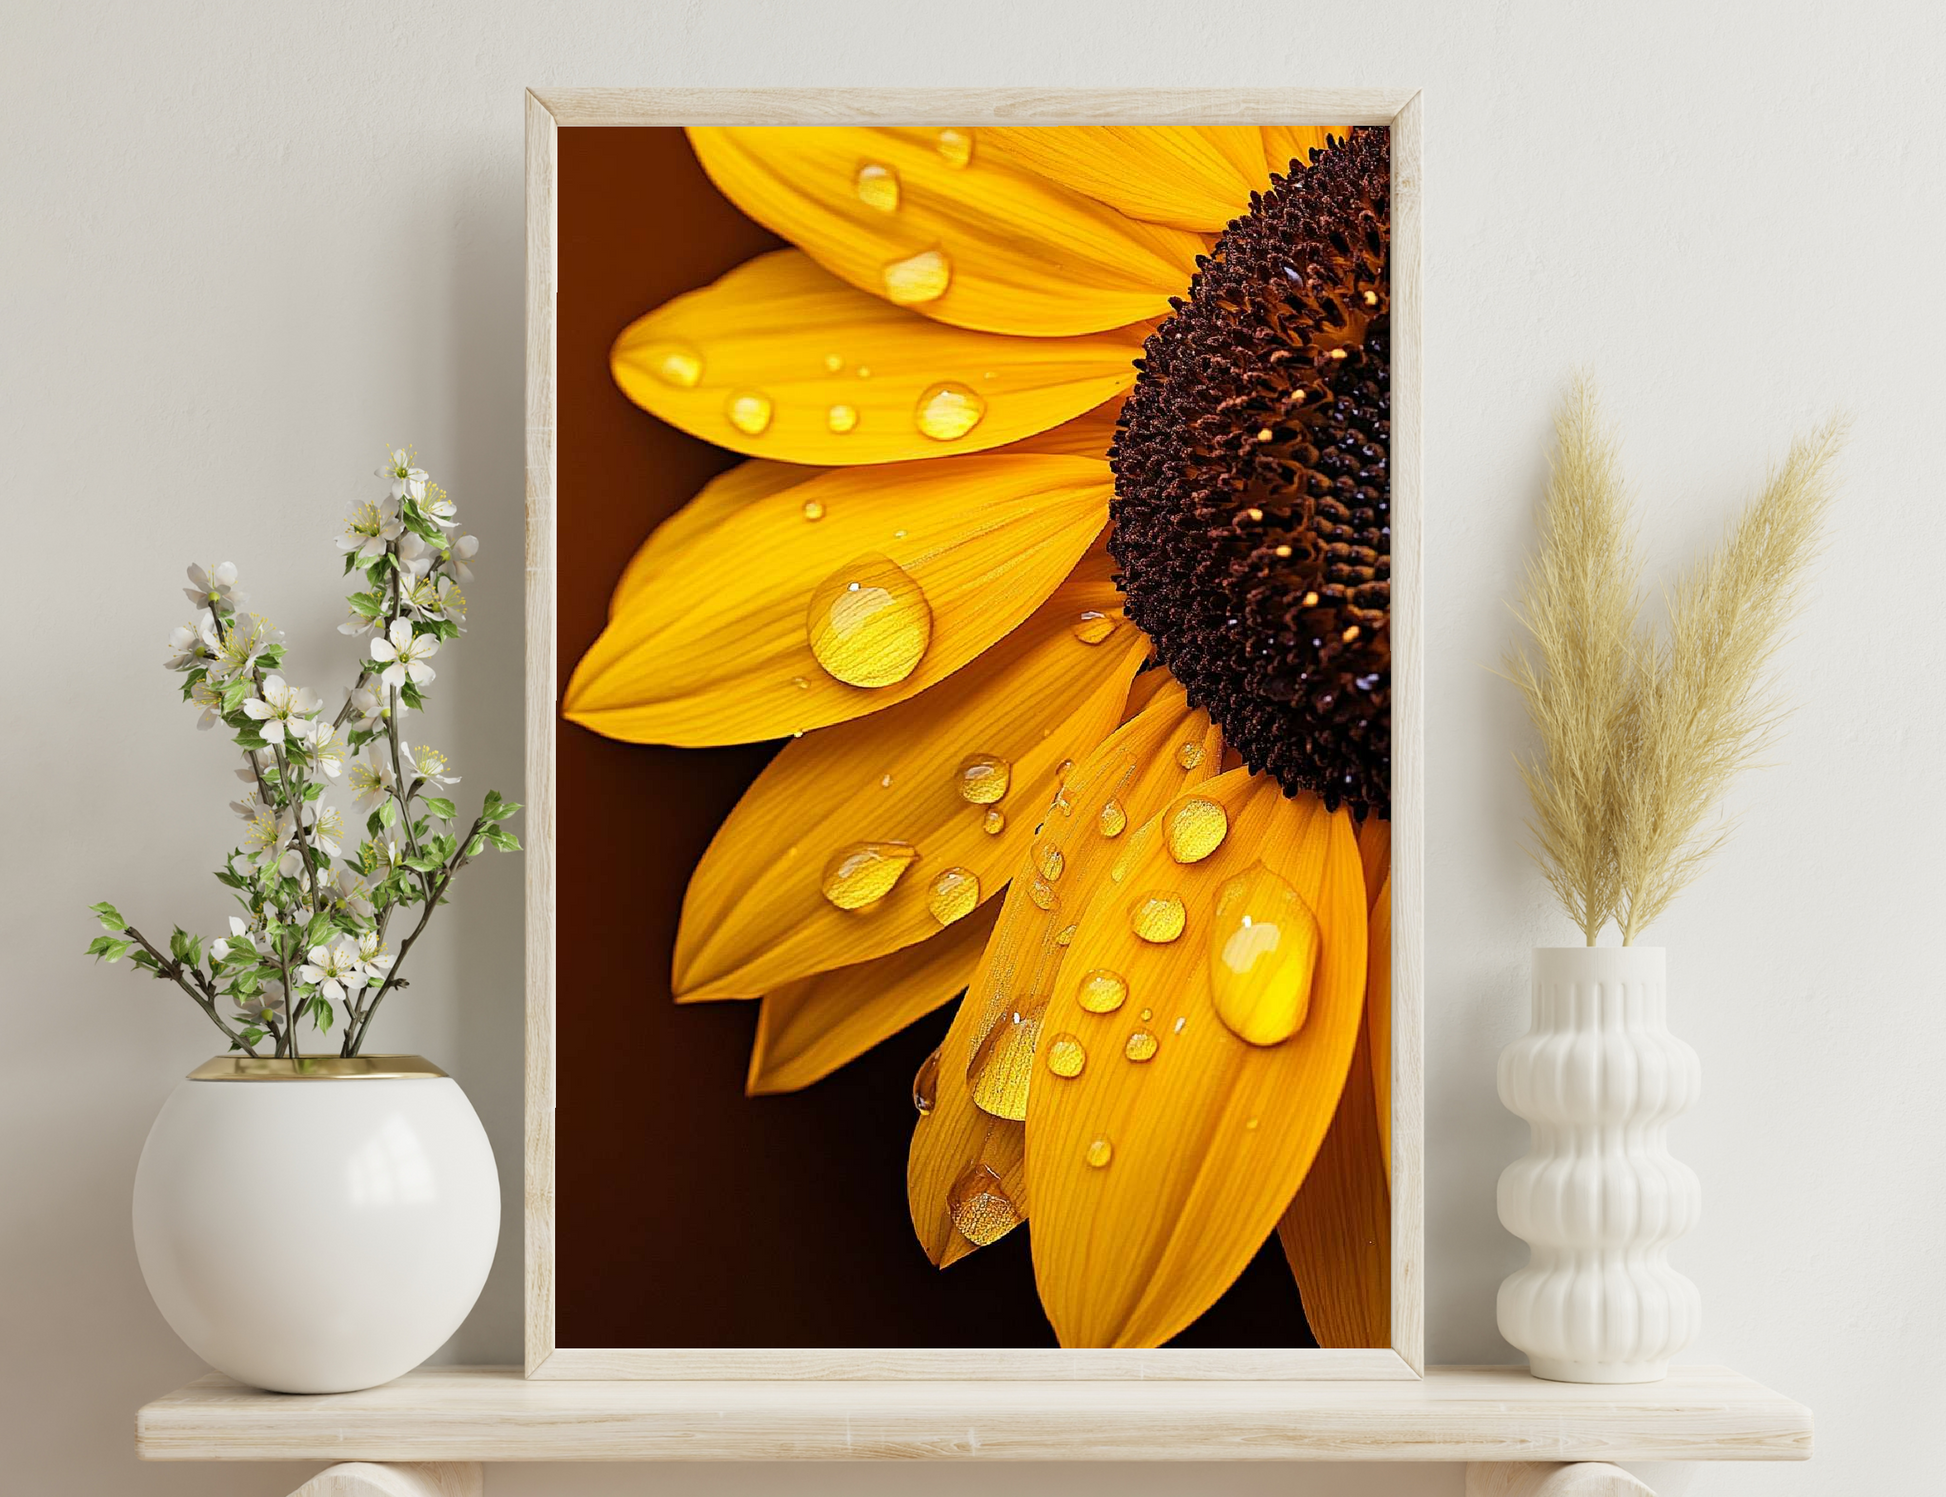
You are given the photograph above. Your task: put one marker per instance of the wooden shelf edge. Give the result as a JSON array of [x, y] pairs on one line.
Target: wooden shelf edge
[[1454, 1414]]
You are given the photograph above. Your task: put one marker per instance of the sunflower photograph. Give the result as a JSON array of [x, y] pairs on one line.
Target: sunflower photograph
[[974, 741]]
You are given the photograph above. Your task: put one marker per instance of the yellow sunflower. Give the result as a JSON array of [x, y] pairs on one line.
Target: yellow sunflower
[[1062, 554]]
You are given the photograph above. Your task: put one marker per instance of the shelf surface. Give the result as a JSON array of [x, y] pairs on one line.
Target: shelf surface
[[1455, 1414]]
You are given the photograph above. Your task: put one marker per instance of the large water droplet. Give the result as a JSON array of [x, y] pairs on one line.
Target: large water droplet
[[1049, 859], [955, 147], [1189, 755], [981, 1207], [841, 419], [869, 623], [1141, 1046], [1157, 916], [1092, 627], [877, 187], [813, 510], [1099, 1153], [995, 823], [1263, 956], [954, 895], [983, 778], [865, 872], [918, 278], [948, 411], [1103, 991], [1042, 893], [749, 412], [925, 1085], [1064, 936], [677, 364], [1194, 828], [1114, 819], [1003, 1065], [1065, 1057]]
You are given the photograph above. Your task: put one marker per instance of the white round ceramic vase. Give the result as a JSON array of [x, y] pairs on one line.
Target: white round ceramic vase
[[317, 1226], [1598, 1197]]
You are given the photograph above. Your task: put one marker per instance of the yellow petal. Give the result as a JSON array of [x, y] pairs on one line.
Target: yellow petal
[[1159, 1169], [1337, 1234], [806, 1030], [1191, 176], [721, 497], [1286, 146], [988, 244], [781, 359], [1375, 855], [756, 915], [1087, 435], [956, 1148], [712, 642], [1378, 1018]]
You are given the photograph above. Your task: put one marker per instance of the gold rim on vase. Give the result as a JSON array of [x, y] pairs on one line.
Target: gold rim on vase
[[317, 1068]]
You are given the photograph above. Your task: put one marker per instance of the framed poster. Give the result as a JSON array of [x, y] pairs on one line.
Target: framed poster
[[974, 735]]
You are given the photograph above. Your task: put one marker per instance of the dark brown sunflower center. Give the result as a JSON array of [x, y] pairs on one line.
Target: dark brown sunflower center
[[1252, 518]]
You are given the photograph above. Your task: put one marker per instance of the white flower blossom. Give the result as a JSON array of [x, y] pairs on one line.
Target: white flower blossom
[[325, 742], [437, 597], [241, 646], [192, 643], [327, 829], [435, 506], [407, 481], [372, 526], [370, 708], [427, 765], [403, 655], [334, 970], [241, 936], [213, 585], [263, 838], [459, 551], [416, 558], [370, 782], [347, 892], [376, 961], [282, 709], [265, 1006], [210, 699], [356, 623]]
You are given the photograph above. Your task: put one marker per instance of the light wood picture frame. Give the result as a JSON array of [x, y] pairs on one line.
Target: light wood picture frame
[[550, 111]]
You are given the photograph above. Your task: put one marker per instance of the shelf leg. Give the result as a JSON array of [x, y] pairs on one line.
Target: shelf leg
[[414, 1479], [1551, 1479]]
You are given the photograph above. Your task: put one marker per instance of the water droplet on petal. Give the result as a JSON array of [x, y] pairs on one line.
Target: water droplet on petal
[[677, 364], [1113, 818], [1263, 956], [1064, 936], [1092, 627], [1065, 1057], [1194, 829], [1147, 1014], [869, 623], [955, 147], [918, 278], [1189, 755], [948, 411], [954, 895], [864, 371], [1062, 772], [1251, 1125], [1042, 893], [983, 778], [833, 363], [998, 1074], [925, 1084], [877, 187], [813, 510], [1157, 917], [800, 683], [1103, 991], [1099, 1153], [865, 872], [995, 823], [749, 412], [981, 1207], [841, 418], [1048, 858], [1141, 1046]]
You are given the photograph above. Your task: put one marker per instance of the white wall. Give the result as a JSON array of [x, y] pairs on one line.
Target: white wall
[[245, 244]]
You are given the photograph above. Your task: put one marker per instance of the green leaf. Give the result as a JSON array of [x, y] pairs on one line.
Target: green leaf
[[412, 697], [503, 839], [250, 738], [107, 948], [444, 809], [321, 1014], [179, 944], [497, 809], [388, 811], [476, 846], [251, 1036], [109, 916], [366, 605]]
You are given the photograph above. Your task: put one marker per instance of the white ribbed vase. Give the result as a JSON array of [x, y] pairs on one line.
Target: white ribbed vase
[[1599, 1198]]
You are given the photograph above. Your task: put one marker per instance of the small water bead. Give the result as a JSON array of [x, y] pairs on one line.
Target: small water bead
[[833, 363], [865, 872], [1146, 1015], [1092, 627], [980, 1206], [869, 623], [955, 147], [1189, 755], [749, 412], [1042, 893], [1064, 936], [1065, 1057], [1195, 828], [925, 1085], [841, 419], [995, 823], [983, 778], [800, 683], [813, 510], [948, 411], [1114, 820], [677, 364], [954, 895], [916, 279], [1251, 1125], [864, 371], [1157, 917], [1263, 957], [1065, 768], [1102, 991], [1180, 1021], [1099, 1153], [1141, 1046], [885, 782], [1048, 858], [877, 187]]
